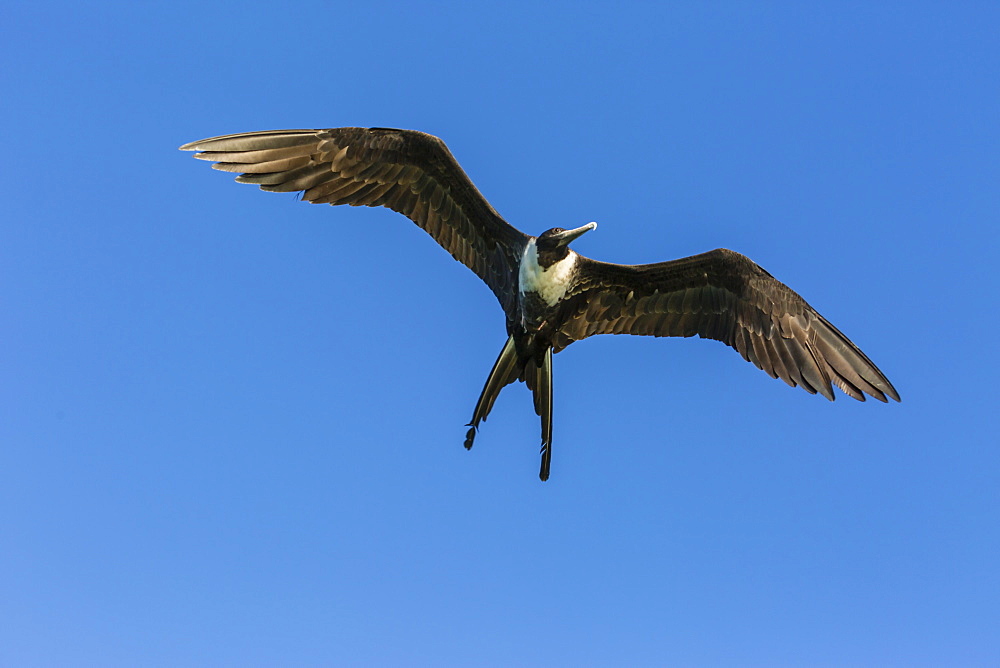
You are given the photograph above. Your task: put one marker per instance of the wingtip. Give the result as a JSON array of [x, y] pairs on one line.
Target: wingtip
[[470, 436], [890, 395], [890, 392]]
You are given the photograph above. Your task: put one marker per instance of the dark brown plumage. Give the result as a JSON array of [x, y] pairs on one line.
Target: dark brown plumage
[[410, 172], [550, 295]]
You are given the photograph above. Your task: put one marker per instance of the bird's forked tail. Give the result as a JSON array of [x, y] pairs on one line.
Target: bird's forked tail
[[538, 377]]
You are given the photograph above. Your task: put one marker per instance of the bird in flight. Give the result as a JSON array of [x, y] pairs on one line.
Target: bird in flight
[[551, 295]]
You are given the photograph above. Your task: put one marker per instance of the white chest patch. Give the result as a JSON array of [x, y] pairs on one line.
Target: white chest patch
[[551, 283]]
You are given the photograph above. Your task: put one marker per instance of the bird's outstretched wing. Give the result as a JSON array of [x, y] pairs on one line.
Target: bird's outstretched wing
[[407, 171], [725, 296]]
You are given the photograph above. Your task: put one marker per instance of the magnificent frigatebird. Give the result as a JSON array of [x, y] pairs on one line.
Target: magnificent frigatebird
[[551, 295]]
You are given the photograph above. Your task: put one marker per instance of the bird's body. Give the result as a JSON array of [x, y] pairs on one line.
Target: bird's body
[[549, 283], [552, 296]]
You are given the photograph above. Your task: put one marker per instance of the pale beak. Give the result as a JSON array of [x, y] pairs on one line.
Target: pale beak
[[569, 235]]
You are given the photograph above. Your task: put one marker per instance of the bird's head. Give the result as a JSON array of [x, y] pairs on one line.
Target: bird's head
[[554, 243]]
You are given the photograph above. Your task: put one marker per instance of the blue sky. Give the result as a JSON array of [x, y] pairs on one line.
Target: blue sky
[[231, 423]]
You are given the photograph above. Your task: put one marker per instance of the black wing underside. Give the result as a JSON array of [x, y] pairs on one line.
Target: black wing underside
[[410, 172], [725, 296]]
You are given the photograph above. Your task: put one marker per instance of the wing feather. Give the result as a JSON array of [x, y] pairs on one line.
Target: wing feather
[[725, 296], [410, 172]]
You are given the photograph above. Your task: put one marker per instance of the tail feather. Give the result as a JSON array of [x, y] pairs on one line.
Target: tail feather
[[508, 368], [543, 407], [505, 371]]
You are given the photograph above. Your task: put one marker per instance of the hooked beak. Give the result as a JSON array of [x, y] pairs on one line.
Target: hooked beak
[[569, 235]]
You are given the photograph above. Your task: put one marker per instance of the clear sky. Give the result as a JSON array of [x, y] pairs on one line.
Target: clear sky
[[231, 423]]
